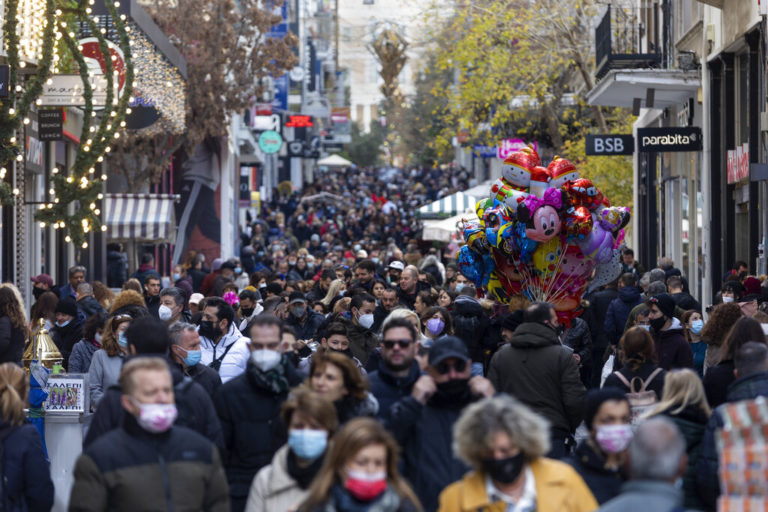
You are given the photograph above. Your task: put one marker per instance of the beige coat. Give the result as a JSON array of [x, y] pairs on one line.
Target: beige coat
[[273, 489]]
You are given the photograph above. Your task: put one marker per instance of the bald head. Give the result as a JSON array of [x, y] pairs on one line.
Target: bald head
[[657, 452]]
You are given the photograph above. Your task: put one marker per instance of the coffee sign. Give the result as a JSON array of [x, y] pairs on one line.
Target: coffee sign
[[671, 139]]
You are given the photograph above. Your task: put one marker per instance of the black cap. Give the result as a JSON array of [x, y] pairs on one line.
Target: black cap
[[597, 397], [296, 297], [66, 306], [512, 320], [446, 348], [228, 264]]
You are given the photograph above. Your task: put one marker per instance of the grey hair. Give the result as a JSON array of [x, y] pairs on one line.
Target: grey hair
[[657, 274], [84, 289], [177, 329], [176, 294], [656, 287], [473, 432], [77, 268], [645, 280], [656, 450]]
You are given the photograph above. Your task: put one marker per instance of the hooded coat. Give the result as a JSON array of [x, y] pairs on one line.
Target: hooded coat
[[537, 370], [471, 324], [672, 349], [618, 312]]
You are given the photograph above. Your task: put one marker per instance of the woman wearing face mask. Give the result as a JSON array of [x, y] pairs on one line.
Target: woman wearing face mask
[[637, 359], [360, 474], [600, 458], [505, 442], [337, 378], [720, 321], [436, 322], [82, 352], [720, 376], [686, 405], [284, 484], [693, 324], [107, 361]]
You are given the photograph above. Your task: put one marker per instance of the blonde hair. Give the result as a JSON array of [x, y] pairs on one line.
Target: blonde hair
[[357, 434], [333, 290], [133, 284], [406, 314], [19, 301], [682, 388], [475, 429], [128, 382], [14, 387]]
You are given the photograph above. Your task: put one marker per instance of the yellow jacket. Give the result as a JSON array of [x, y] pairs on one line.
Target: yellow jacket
[[558, 489]]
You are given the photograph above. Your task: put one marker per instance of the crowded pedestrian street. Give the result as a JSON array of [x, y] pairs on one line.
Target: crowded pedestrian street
[[383, 256]]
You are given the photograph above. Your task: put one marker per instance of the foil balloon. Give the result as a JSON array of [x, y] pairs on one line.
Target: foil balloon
[[562, 171], [476, 268], [582, 192], [474, 236], [496, 288], [540, 181], [606, 272], [578, 223], [598, 244], [541, 216], [575, 267], [613, 218], [546, 257], [525, 246]]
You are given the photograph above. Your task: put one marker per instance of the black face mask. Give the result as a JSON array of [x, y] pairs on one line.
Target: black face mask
[[657, 324], [347, 352], [504, 471], [247, 311], [37, 292], [454, 393], [208, 330]]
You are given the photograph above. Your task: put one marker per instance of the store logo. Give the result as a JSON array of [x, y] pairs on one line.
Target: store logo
[[672, 139], [668, 140]]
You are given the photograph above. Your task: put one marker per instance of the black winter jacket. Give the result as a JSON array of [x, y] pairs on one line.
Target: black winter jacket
[[470, 324], [388, 388], [643, 372], [204, 375], [537, 370], [250, 418], [589, 463], [686, 301], [117, 269], [28, 485], [579, 339], [595, 317], [306, 330], [716, 382], [618, 312], [89, 306], [11, 342], [66, 337], [195, 409], [691, 422]]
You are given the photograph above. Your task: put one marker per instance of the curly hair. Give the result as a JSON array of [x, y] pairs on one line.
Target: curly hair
[[474, 431], [720, 322], [356, 385], [11, 306]]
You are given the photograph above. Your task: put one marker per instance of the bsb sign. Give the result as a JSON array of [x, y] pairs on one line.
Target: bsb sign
[[671, 139], [613, 144]]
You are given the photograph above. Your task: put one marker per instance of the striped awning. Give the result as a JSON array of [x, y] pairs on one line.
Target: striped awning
[[448, 206], [140, 217]]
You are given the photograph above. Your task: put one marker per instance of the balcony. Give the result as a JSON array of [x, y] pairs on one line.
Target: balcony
[[622, 42]]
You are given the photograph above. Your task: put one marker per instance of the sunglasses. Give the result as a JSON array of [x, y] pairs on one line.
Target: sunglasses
[[446, 366], [390, 344]]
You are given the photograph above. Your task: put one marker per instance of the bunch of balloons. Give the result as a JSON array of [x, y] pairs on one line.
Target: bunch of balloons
[[544, 233]]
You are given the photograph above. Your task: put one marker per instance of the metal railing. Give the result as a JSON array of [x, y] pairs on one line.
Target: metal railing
[[623, 39]]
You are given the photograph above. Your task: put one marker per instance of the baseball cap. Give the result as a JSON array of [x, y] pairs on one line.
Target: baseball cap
[[397, 265], [43, 278], [362, 253], [296, 297], [195, 298], [447, 347]]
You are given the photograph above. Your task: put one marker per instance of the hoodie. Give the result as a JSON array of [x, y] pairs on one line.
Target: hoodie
[[618, 312], [672, 349]]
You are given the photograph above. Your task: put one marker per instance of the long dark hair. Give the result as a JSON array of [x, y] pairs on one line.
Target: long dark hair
[[745, 329], [10, 307], [636, 348]]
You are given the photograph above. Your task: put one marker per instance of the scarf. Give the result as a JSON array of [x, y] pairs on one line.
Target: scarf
[[273, 380], [342, 501], [303, 476]]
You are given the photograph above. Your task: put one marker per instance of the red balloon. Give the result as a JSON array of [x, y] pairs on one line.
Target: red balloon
[[578, 222]]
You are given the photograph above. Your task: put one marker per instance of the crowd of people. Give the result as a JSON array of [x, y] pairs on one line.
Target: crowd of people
[[338, 364]]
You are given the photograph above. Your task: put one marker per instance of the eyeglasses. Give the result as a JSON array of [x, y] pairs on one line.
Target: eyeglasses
[[390, 344], [445, 366]]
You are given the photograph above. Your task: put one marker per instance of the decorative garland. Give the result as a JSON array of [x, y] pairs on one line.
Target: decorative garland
[[80, 190]]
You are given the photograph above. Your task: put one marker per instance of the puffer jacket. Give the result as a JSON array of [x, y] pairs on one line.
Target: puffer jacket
[[275, 489], [231, 349], [589, 462], [28, 485], [129, 468], [618, 312], [471, 324], [537, 370]]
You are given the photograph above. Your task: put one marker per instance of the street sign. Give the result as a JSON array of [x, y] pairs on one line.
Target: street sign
[[670, 139], [296, 148], [270, 142], [612, 144], [50, 124]]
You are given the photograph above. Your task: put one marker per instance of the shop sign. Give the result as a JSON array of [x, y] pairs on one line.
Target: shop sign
[[50, 124], [509, 146], [270, 142], [737, 167], [295, 121], [670, 139], [481, 151], [612, 144], [296, 148], [66, 393], [67, 90]]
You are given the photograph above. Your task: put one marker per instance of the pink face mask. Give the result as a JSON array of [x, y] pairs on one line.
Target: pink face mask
[[614, 438], [156, 418]]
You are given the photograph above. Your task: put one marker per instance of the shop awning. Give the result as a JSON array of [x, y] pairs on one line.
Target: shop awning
[[448, 206], [620, 87], [445, 230], [480, 191], [140, 217]]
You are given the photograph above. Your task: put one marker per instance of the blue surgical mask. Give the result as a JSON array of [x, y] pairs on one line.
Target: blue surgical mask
[[459, 287], [647, 327], [697, 326], [122, 340], [193, 357], [238, 270], [63, 324], [308, 444], [375, 260], [176, 276]]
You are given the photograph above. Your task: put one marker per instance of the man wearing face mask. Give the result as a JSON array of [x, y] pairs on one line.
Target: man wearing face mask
[[186, 353], [224, 348], [362, 339], [147, 459], [249, 407], [68, 329], [171, 308], [672, 349], [422, 422], [304, 320], [250, 307], [539, 371]]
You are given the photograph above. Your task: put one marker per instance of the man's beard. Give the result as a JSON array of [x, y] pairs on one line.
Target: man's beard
[[398, 367]]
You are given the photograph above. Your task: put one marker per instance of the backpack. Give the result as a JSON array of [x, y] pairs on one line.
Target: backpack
[[640, 400]]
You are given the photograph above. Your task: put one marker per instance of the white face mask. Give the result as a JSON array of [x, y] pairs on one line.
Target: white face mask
[[265, 359], [164, 312], [366, 320], [727, 300]]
